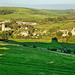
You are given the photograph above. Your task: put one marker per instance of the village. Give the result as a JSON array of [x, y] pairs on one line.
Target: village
[[37, 37], [26, 31]]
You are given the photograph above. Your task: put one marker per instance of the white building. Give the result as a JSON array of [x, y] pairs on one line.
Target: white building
[[33, 23], [28, 23], [26, 28], [7, 28], [34, 34], [3, 27], [45, 31], [19, 22], [25, 33], [65, 32], [73, 31]]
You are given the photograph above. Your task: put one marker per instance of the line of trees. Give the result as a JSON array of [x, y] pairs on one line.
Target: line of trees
[[5, 11], [6, 34]]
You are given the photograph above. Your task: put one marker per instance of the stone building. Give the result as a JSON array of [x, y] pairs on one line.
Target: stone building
[[73, 31], [65, 32], [3, 27]]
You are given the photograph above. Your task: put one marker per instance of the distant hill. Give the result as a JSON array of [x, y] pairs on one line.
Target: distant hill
[[68, 11], [25, 13]]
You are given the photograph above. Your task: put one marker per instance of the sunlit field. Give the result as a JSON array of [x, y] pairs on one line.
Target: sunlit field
[[19, 60]]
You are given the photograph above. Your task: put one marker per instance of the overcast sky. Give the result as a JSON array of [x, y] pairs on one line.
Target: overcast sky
[[33, 2]]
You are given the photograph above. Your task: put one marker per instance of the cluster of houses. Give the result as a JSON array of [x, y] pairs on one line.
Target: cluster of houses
[[3, 25], [18, 22], [5, 28], [26, 33], [65, 32]]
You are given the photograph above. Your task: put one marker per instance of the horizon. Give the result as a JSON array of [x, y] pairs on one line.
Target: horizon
[[48, 6], [39, 4]]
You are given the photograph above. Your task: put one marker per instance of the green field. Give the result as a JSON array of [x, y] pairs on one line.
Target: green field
[[46, 20], [60, 46], [18, 57], [32, 14], [19, 60], [28, 14]]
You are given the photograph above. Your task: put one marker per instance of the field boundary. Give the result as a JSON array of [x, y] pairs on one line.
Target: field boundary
[[5, 42]]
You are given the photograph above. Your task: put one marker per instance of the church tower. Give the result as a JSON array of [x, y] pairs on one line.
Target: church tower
[[3, 27]]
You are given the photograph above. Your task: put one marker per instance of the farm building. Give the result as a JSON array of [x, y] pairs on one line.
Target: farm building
[[27, 23]]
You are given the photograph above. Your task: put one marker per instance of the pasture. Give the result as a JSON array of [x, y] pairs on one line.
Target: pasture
[[20, 60], [42, 44]]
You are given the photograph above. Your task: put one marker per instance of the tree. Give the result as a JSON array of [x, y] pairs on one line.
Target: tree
[[70, 34], [59, 33], [4, 35]]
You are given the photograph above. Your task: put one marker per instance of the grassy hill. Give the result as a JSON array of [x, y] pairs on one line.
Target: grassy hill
[[32, 14], [26, 13], [19, 60], [45, 44], [16, 59], [50, 21], [68, 11]]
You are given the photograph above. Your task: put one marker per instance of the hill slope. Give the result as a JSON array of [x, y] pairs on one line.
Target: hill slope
[[25, 13], [30, 13], [19, 60]]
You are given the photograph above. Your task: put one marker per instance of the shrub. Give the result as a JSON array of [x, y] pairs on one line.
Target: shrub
[[74, 52], [54, 39], [69, 51], [34, 46], [2, 39], [59, 34], [8, 41], [25, 45], [53, 49], [65, 51], [48, 48], [61, 51]]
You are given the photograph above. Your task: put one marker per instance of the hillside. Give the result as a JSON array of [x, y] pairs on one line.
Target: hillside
[[19, 60], [30, 13], [46, 24], [26, 13], [68, 11]]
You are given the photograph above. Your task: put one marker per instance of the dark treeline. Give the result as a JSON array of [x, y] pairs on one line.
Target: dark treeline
[[5, 11]]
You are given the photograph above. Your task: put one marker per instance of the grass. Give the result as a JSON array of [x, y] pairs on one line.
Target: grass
[[26, 13], [48, 26], [68, 24], [46, 43], [4, 48], [19, 60], [52, 45], [30, 13]]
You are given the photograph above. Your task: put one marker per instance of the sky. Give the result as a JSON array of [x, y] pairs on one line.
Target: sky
[[39, 4], [33, 2]]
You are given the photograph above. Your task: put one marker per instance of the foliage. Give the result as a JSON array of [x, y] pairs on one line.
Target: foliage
[[18, 60], [4, 35], [5, 11], [59, 33], [70, 34]]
